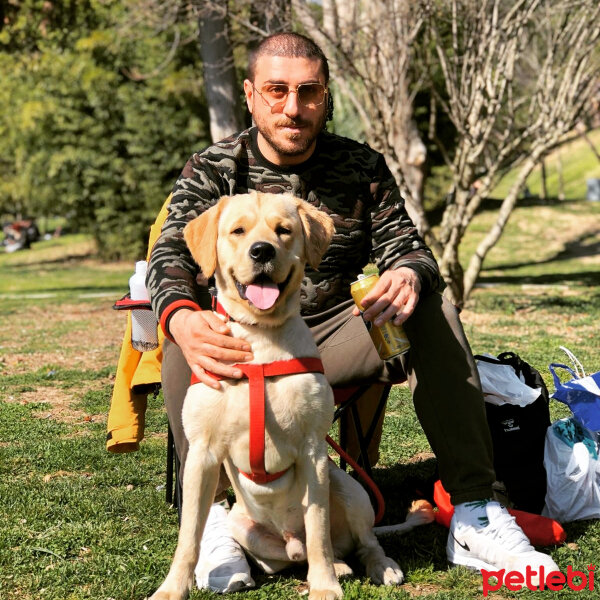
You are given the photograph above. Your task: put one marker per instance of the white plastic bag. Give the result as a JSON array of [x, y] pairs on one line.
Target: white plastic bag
[[501, 385], [573, 473]]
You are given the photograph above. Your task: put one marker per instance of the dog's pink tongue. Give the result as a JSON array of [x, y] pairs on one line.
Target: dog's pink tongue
[[262, 295]]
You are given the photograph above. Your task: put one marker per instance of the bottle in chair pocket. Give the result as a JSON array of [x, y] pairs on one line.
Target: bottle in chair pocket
[[389, 339], [144, 336]]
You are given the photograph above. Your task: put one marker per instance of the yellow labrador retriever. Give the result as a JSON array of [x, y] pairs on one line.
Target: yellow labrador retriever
[[291, 501]]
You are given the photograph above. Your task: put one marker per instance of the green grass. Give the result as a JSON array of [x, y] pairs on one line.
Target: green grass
[[60, 267], [78, 523], [578, 165]]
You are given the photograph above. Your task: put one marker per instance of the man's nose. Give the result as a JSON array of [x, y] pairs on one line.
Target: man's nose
[[291, 107]]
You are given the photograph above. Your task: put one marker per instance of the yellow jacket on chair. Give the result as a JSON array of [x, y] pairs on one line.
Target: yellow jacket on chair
[[137, 373]]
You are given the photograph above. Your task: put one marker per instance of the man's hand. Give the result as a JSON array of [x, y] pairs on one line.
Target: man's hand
[[207, 345], [395, 296]]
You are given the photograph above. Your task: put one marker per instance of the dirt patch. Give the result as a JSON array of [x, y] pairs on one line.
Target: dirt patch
[[60, 405], [83, 335], [421, 457], [75, 337], [421, 589]]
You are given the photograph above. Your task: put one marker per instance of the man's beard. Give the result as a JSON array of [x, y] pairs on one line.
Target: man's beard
[[305, 144]]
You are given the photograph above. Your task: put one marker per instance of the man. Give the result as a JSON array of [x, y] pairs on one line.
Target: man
[[288, 150]]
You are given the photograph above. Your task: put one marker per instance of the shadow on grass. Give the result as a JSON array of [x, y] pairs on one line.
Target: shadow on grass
[[589, 278], [577, 248], [403, 483], [574, 305], [436, 214]]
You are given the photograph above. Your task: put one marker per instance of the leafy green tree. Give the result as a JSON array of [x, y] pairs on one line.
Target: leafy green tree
[[88, 135]]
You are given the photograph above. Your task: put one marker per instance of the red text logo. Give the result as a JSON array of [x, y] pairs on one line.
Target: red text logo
[[553, 580]]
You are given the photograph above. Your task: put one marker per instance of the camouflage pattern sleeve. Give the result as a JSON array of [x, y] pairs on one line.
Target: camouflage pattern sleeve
[[395, 239], [173, 278]]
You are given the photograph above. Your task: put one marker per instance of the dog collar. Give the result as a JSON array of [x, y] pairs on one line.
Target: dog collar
[[217, 306], [256, 375]]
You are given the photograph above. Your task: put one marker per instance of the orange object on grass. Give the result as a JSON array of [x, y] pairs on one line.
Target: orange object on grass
[[540, 530]]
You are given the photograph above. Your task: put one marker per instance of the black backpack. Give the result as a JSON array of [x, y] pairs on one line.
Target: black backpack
[[518, 435]]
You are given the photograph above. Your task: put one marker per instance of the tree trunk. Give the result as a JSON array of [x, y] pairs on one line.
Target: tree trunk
[[490, 240], [451, 235], [220, 82], [453, 275], [544, 187], [561, 179]]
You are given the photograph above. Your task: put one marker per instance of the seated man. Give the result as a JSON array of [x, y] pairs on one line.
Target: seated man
[[288, 150]]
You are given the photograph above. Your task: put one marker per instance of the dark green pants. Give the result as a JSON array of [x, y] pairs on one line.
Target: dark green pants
[[440, 371]]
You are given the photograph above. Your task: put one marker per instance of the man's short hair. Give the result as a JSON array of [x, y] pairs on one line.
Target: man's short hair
[[290, 45]]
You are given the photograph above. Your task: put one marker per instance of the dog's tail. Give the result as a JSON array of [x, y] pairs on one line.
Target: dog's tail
[[419, 513]]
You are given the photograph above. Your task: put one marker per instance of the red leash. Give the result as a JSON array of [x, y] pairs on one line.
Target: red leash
[[363, 475]]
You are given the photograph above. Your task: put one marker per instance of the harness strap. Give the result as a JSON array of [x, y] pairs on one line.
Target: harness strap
[[256, 374]]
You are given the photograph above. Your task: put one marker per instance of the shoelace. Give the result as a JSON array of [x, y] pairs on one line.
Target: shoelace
[[505, 527]]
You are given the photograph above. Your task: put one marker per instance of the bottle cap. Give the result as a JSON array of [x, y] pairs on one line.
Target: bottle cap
[[141, 267]]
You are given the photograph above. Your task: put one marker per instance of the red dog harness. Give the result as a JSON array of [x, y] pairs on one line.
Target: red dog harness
[[256, 375]]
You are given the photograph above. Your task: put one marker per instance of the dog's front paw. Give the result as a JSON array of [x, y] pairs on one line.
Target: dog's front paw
[[158, 595], [163, 593], [335, 593], [385, 571]]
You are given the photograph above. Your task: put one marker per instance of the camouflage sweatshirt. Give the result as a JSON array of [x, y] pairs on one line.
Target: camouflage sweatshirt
[[347, 180]]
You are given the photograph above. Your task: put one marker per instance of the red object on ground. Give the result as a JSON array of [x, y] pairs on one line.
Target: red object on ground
[[540, 530]]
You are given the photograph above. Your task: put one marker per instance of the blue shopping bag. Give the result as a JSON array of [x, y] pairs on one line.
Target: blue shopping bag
[[580, 394]]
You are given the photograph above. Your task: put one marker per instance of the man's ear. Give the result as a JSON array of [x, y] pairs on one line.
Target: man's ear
[[318, 230], [201, 237], [248, 93]]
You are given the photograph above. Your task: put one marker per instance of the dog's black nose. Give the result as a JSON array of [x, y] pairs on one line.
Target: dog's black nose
[[262, 252]]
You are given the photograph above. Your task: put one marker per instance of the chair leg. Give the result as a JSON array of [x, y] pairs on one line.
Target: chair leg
[[170, 461], [178, 489], [173, 492]]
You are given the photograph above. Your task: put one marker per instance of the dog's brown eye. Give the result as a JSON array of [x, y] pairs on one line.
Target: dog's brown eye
[[238, 231], [281, 230]]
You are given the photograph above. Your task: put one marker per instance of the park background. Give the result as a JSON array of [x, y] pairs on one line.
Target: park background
[[102, 102]]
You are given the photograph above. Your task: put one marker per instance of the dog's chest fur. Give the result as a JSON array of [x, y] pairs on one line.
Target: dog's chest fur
[[295, 405]]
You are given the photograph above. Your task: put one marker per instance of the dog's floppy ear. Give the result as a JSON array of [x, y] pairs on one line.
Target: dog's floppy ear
[[201, 237], [318, 231]]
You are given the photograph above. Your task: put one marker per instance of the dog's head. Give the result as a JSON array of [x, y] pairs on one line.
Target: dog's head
[[256, 245]]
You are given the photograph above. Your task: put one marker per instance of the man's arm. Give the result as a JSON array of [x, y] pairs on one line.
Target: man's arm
[[204, 339], [406, 264], [172, 272]]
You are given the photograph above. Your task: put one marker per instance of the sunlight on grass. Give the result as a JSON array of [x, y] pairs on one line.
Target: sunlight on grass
[[65, 266], [578, 165]]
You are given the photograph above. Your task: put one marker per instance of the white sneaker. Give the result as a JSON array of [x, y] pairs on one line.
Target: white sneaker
[[499, 545], [222, 566]]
